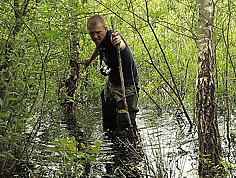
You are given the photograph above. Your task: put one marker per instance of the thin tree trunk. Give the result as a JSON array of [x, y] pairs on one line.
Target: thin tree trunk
[[208, 133]]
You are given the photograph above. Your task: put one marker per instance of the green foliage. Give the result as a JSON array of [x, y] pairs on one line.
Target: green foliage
[[228, 166], [74, 159], [34, 63]]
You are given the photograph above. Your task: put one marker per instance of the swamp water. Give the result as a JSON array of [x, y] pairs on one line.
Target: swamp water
[[168, 150]]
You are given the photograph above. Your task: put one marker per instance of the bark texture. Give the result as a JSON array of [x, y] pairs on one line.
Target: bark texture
[[208, 132]]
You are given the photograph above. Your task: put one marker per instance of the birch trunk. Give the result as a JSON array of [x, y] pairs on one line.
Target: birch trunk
[[208, 133]]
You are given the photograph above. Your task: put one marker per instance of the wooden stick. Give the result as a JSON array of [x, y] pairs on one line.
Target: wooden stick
[[123, 87]]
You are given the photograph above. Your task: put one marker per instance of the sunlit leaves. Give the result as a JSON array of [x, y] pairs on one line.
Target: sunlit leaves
[[32, 43], [50, 33], [11, 99]]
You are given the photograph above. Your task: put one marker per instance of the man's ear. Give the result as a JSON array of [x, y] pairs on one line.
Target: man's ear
[[106, 28]]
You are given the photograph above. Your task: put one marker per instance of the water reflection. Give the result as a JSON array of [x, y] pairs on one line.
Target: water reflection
[[170, 150], [166, 149], [124, 158]]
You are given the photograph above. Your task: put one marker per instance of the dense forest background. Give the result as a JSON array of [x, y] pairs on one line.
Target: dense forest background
[[36, 50]]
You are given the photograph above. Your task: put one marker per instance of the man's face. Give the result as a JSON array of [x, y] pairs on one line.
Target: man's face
[[97, 32]]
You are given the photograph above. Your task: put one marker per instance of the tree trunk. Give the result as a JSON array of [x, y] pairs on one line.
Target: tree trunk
[[208, 132]]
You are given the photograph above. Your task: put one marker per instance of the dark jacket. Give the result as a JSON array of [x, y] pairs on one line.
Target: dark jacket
[[108, 54]]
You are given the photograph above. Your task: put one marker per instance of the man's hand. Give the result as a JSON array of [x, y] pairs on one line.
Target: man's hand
[[116, 40]]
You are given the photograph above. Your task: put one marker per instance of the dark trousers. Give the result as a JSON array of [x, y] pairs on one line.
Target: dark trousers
[[113, 120]]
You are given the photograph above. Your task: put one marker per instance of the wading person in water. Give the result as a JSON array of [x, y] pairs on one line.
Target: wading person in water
[[114, 119]]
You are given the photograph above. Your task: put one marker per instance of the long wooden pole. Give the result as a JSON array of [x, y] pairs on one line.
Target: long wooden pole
[[123, 87]]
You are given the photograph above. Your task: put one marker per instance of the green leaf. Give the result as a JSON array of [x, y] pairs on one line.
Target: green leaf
[[68, 166], [21, 124], [32, 42], [14, 93], [82, 145], [64, 141], [93, 159], [95, 150], [50, 33], [33, 96], [20, 68], [80, 153], [98, 143], [11, 99], [2, 115], [55, 149], [71, 100], [72, 145], [55, 143], [43, 36], [122, 111], [30, 82], [72, 139]]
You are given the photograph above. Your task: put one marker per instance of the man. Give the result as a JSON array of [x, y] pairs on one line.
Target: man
[[112, 99]]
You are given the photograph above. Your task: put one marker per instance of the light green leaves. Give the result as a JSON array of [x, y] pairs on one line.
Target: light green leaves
[[50, 33], [47, 34]]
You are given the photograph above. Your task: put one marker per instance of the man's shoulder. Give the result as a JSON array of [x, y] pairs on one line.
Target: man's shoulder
[[107, 40]]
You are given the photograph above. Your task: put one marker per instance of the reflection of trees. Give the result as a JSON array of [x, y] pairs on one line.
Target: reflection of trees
[[125, 157]]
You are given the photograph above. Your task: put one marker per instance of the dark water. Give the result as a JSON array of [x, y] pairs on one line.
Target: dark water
[[166, 149]]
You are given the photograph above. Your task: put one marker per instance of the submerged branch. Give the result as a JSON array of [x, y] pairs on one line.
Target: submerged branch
[[152, 99]]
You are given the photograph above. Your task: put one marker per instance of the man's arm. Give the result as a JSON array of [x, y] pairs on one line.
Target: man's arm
[[93, 56], [116, 40]]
